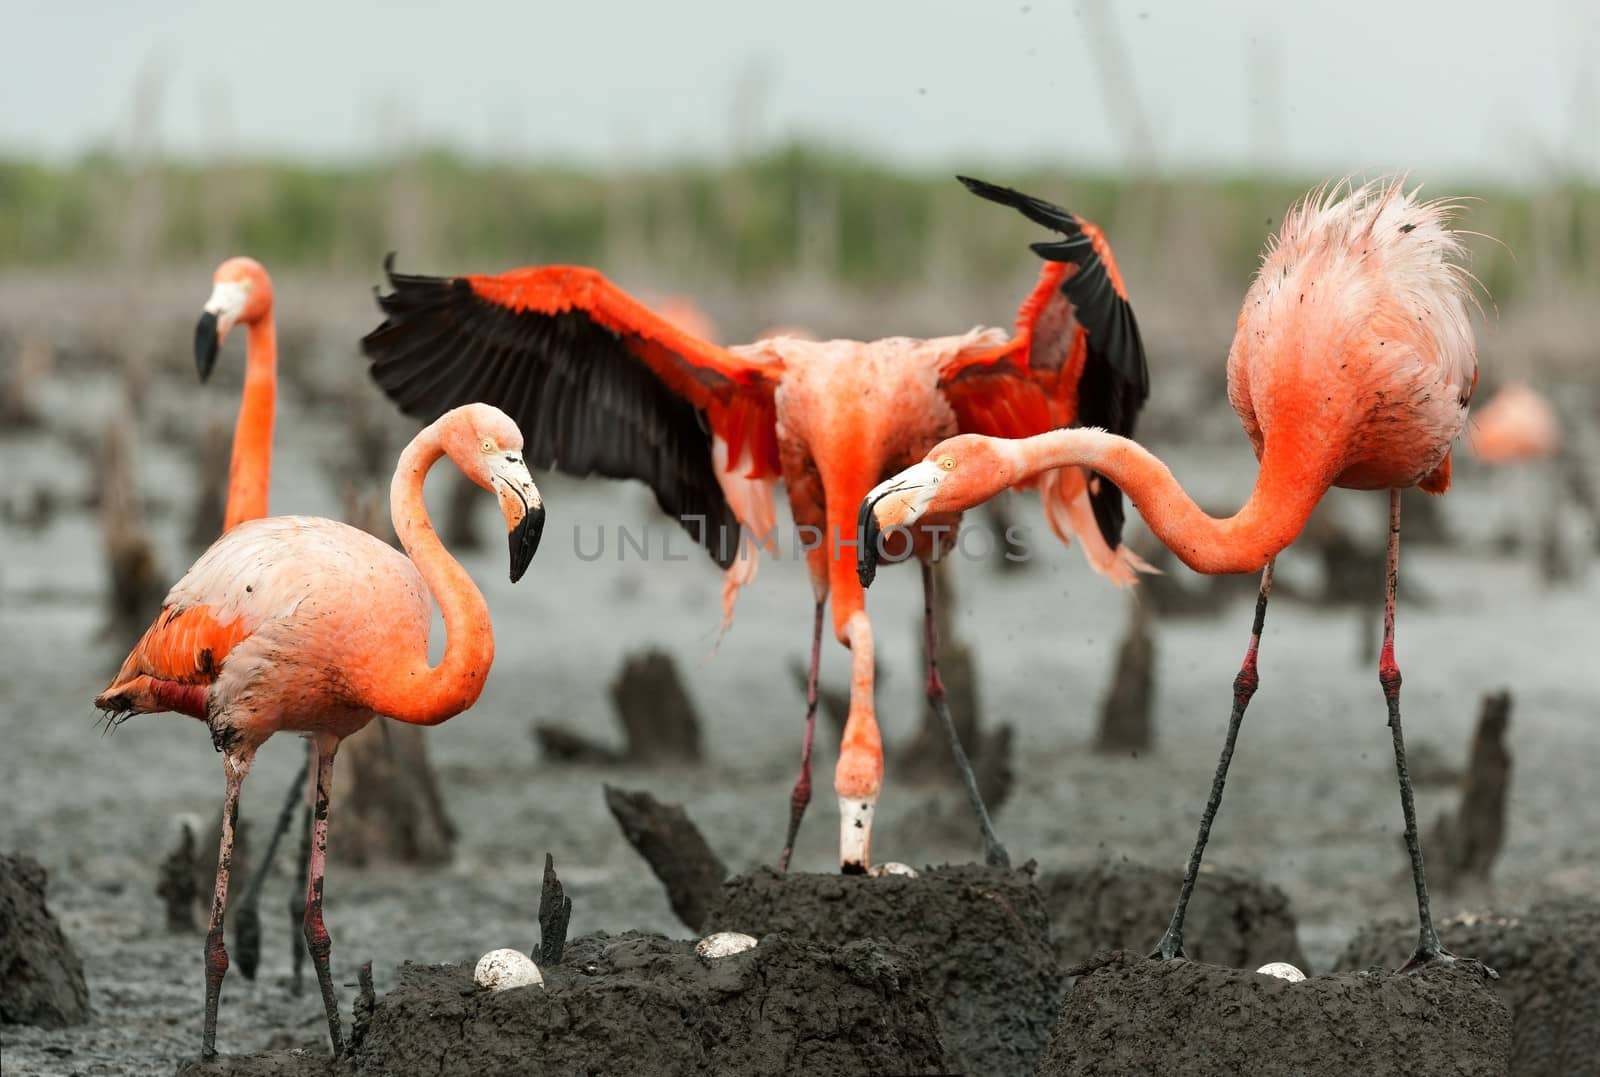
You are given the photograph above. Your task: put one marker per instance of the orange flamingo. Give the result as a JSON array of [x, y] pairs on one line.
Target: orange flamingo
[[1513, 425], [601, 384], [241, 293], [306, 625], [1352, 365]]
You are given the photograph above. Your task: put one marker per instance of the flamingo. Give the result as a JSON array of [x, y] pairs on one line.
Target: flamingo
[[306, 625], [241, 294], [1352, 365], [604, 385], [1515, 424]]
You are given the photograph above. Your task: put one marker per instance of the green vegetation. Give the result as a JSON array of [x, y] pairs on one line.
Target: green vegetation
[[796, 210]]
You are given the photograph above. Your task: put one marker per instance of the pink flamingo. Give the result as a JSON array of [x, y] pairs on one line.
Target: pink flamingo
[[1352, 365], [241, 294], [602, 384], [306, 625], [1513, 425]]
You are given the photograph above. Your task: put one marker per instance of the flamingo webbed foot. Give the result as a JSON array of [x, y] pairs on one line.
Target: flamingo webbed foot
[[1427, 956], [1170, 948]]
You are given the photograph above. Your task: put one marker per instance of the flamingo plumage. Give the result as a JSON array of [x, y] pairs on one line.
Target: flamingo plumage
[[603, 384], [305, 625], [1353, 365]]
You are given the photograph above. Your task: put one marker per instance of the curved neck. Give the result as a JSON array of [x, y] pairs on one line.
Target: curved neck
[[250, 473], [410, 690], [1288, 486]]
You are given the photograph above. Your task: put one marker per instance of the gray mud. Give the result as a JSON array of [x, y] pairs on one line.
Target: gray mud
[[1311, 802], [644, 1004], [1549, 965], [1187, 1019], [981, 933], [1234, 919]]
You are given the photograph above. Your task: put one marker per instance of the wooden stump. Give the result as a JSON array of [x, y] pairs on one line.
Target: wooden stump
[[1126, 714], [675, 850], [1470, 840], [660, 723], [387, 805]]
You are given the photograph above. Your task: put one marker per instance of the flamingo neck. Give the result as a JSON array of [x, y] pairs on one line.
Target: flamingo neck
[[411, 690], [250, 473], [1288, 486]]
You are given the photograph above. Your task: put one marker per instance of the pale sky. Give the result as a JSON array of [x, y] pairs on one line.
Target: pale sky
[[1459, 88]]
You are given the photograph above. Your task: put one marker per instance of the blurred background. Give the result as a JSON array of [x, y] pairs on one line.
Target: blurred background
[[782, 167]]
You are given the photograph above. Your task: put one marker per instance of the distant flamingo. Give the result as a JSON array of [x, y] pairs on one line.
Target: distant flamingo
[[601, 384], [686, 317], [241, 293], [1513, 425], [1352, 366], [305, 625]]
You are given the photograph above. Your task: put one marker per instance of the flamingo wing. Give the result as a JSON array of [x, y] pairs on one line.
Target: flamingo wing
[[1077, 358], [597, 381]]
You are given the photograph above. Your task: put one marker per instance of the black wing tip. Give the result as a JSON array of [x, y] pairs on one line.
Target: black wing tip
[[1037, 210]]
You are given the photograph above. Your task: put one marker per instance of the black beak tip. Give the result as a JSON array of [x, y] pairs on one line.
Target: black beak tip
[[524, 539], [868, 536], [205, 344]]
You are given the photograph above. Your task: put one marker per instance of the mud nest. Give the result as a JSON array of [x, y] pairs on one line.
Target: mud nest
[[1549, 966], [1234, 918], [1129, 1014], [41, 977], [643, 1004], [982, 935]]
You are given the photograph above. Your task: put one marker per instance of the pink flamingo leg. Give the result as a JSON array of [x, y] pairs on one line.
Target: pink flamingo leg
[[1428, 949], [317, 941], [234, 768], [994, 853], [1244, 686], [802, 785], [297, 894]]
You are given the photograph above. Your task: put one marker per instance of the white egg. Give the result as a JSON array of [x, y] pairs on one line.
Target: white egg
[[500, 970], [724, 944], [1283, 971], [892, 867]]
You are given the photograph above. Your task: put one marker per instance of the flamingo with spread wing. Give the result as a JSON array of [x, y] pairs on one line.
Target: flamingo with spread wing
[[601, 384]]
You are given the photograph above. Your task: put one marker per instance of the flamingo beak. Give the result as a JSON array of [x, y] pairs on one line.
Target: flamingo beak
[[221, 311], [897, 502], [206, 342], [524, 512]]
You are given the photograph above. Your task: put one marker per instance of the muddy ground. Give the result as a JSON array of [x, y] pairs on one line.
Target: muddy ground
[[1311, 801]]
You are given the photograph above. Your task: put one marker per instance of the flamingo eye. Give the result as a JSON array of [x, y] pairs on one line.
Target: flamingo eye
[[948, 463], [487, 446]]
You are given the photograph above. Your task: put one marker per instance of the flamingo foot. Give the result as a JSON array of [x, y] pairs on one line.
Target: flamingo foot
[[1170, 948], [1432, 955]]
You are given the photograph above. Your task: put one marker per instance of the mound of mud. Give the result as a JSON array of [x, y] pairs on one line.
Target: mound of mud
[[1235, 919], [1128, 1014], [1549, 966], [41, 978], [982, 935], [644, 1004]]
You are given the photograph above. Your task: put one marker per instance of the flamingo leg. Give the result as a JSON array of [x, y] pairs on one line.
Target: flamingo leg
[[802, 785], [252, 897], [1428, 949], [1244, 686], [297, 895], [234, 767], [994, 853], [317, 941]]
